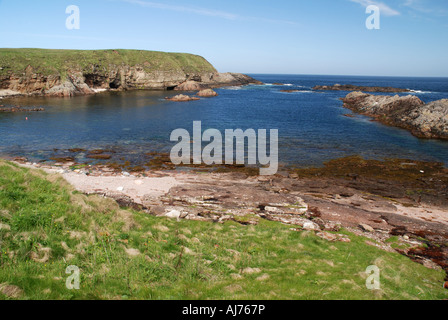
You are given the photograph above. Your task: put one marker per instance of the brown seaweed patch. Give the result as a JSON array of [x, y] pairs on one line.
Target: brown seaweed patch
[[389, 169], [76, 150], [62, 159], [99, 156]]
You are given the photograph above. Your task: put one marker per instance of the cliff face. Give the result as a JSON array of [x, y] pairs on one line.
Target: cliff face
[[409, 112], [71, 72]]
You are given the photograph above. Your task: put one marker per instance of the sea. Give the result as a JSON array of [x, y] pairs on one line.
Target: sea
[[312, 125]]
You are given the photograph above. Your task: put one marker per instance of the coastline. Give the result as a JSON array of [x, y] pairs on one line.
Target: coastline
[[378, 200], [45, 72], [229, 82]]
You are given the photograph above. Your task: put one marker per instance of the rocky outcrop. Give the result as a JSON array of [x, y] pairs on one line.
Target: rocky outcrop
[[190, 86], [431, 120], [207, 93], [74, 72], [409, 112], [217, 80], [349, 87]]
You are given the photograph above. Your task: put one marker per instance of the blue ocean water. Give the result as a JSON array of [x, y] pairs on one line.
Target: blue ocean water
[[312, 126]]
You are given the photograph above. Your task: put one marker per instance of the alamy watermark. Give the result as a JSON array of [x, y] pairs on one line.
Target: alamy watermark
[[373, 278], [373, 21], [73, 21], [73, 281], [234, 146]]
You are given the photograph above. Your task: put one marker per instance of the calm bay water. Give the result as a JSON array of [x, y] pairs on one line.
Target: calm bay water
[[312, 126]]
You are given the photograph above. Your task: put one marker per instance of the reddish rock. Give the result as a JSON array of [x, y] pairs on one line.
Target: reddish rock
[[182, 98], [207, 93], [189, 86]]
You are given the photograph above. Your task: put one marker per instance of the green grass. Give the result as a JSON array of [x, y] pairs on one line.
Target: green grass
[[59, 62], [179, 259]]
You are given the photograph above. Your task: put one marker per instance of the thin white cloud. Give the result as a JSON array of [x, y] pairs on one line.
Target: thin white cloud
[[385, 9], [202, 11], [433, 7]]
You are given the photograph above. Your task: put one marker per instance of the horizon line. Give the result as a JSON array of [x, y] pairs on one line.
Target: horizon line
[[253, 73]]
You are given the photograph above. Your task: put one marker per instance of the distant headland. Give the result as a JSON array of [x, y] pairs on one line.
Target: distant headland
[[74, 72]]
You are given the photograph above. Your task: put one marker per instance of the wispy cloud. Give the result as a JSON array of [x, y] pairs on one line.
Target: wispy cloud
[[203, 11], [385, 9], [200, 11], [433, 7]]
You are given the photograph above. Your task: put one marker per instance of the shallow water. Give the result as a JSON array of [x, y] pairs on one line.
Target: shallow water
[[312, 126]]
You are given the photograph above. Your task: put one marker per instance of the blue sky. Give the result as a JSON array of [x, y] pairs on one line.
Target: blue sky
[[263, 36]]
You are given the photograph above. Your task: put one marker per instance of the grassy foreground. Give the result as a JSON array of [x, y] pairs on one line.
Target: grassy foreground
[[57, 62], [46, 226]]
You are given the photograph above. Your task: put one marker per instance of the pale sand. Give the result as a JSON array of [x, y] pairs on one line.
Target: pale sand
[[134, 187]]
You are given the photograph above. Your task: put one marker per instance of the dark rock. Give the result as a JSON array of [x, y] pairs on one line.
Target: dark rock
[[349, 87], [20, 109]]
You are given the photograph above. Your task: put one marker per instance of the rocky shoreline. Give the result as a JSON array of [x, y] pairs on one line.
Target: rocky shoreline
[[428, 121], [403, 200], [349, 87], [76, 85], [8, 108], [65, 73]]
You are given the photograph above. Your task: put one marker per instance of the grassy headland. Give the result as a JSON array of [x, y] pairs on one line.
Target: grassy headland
[[47, 226], [57, 62]]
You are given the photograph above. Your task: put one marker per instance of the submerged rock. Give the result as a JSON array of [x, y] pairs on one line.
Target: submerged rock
[[182, 98], [20, 109]]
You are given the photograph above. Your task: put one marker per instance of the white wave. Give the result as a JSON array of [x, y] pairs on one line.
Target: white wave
[[421, 92], [298, 91], [99, 90], [233, 88]]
